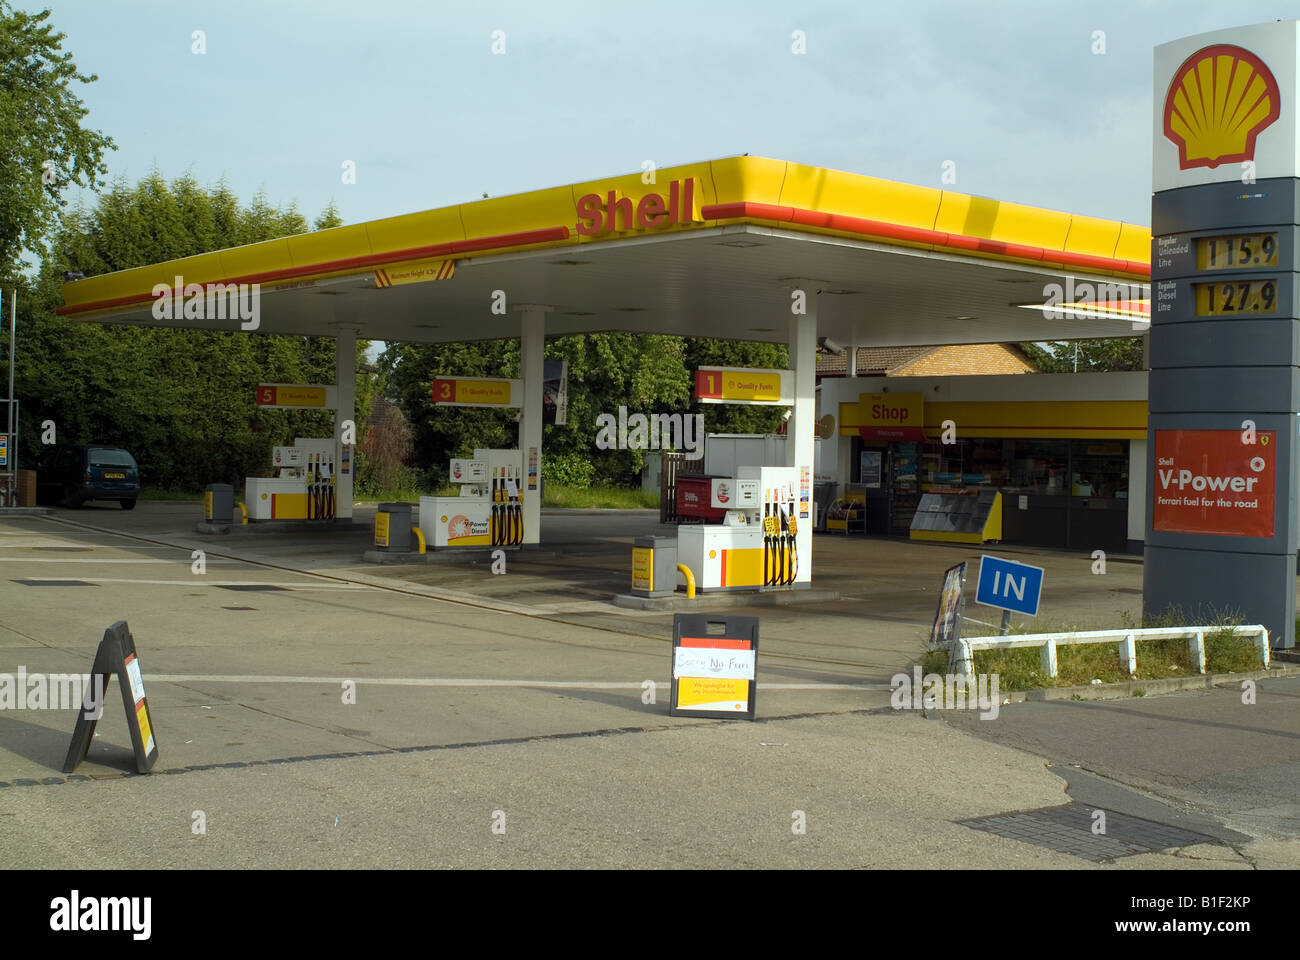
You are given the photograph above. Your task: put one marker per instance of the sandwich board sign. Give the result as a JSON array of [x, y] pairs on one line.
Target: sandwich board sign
[[116, 654], [715, 659], [947, 618]]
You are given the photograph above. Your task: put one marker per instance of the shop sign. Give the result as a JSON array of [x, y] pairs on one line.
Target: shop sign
[[891, 416]]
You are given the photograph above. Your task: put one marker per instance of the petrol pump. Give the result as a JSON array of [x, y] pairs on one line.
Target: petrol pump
[[761, 543], [489, 512], [303, 487]]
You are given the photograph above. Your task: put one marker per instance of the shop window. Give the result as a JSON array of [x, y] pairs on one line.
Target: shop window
[[1038, 467], [1099, 469]]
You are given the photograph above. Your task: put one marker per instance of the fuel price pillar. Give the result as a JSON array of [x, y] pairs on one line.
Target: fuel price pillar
[[1224, 382]]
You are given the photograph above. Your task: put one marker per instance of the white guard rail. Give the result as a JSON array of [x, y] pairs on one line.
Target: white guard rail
[[962, 655]]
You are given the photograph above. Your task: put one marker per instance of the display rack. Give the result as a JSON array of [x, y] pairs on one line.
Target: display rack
[[958, 516]]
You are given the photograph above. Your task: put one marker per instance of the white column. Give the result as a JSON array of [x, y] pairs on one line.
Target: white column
[[800, 439], [852, 370], [803, 361], [532, 348], [345, 379]]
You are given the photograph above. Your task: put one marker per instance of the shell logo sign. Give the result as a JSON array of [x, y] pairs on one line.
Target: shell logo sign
[[1218, 102]]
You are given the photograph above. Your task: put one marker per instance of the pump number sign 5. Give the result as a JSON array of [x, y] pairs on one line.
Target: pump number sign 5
[[296, 396]]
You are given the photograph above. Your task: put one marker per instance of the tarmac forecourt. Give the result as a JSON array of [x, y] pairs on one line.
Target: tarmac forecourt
[[529, 677]]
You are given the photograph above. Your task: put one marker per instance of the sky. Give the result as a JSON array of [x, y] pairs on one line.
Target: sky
[[1016, 96]]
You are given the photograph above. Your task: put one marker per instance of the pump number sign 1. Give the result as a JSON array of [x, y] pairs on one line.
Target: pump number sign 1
[[714, 666], [741, 385]]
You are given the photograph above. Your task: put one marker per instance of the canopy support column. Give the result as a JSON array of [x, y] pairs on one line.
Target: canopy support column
[[532, 350], [345, 379], [803, 361]]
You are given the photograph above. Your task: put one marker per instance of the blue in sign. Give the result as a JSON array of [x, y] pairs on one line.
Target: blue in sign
[[4, 451], [1008, 585]]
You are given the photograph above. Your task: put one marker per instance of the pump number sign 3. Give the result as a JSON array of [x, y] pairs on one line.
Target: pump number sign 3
[[714, 666], [478, 392]]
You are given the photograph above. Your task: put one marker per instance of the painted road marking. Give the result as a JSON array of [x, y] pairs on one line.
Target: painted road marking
[[483, 682], [176, 562], [201, 581]]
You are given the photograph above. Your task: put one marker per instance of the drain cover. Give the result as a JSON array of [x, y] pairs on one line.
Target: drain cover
[[249, 586], [54, 583], [1068, 829]]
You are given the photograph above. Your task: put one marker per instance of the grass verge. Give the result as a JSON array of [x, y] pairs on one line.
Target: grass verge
[[600, 498], [557, 495], [156, 493]]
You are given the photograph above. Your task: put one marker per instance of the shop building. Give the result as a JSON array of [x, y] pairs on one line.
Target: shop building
[[1067, 452]]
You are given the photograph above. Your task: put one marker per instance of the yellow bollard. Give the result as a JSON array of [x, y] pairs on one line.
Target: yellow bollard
[[244, 512], [419, 535], [685, 571]]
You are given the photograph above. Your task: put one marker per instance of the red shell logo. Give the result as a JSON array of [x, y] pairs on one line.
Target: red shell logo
[[456, 472], [723, 493], [1218, 102]]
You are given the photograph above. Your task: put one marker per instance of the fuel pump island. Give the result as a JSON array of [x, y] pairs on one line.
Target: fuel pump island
[[760, 542], [764, 539], [490, 509]]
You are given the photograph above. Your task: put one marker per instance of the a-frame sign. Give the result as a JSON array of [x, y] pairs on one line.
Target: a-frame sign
[[116, 655], [715, 659]]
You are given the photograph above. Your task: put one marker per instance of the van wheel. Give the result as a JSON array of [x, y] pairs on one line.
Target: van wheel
[[127, 504]]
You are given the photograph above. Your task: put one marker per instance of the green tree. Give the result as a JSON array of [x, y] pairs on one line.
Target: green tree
[[43, 147], [441, 433], [644, 373], [1093, 356], [181, 400]]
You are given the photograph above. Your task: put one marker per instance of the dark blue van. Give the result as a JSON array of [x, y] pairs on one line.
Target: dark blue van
[[74, 474]]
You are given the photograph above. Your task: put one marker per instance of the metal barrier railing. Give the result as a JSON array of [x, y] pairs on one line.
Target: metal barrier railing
[[1127, 640]]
